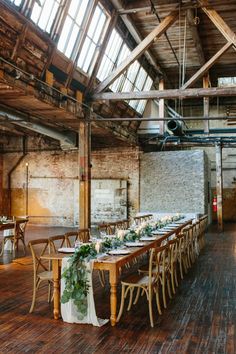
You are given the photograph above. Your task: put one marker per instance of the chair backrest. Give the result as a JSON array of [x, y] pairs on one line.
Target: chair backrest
[[84, 235], [20, 227], [71, 237], [56, 242], [38, 248], [174, 249], [158, 263], [108, 229]]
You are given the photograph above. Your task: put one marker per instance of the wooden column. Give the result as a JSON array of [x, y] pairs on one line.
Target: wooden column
[[84, 175], [161, 107], [219, 186], [206, 104]]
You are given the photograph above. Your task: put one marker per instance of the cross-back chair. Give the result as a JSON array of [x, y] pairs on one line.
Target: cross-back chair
[[41, 268], [147, 282], [56, 242]]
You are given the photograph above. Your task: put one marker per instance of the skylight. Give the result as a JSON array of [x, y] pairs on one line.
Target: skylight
[[44, 13], [72, 26], [93, 40]]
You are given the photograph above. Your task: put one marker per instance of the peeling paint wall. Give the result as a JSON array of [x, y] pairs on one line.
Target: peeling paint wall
[[52, 189]]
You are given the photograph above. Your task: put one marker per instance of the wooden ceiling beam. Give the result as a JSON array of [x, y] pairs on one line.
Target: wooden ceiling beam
[[218, 21], [195, 36], [167, 94], [139, 50], [206, 66]]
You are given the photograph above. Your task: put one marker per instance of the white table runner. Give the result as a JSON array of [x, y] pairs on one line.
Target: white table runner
[[69, 311]]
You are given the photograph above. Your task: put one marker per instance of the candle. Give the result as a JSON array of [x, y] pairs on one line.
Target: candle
[[97, 246]]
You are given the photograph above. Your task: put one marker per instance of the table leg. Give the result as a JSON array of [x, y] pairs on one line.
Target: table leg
[[113, 295], [56, 288]]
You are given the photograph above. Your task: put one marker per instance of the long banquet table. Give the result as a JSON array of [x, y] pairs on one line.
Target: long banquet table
[[107, 262]]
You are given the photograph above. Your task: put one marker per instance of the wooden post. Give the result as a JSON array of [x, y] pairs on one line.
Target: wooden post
[[84, 175], [219, 186], [206, 104], [161, 108]]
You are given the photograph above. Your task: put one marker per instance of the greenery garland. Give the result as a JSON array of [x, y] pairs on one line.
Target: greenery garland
[[76, 274], [76, 280]]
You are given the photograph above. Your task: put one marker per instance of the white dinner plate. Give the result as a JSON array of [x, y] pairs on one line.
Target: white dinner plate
[[134, 244], [66, 250], [119, 252], [160, 232], [147, 238]]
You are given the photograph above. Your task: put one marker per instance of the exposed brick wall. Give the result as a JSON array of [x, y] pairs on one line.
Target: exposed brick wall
[[1, 184], [119, 164], [173, 181], [53, 182]]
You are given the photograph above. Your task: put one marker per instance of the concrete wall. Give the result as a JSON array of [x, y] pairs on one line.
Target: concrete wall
[[53, 185], [174, 181]]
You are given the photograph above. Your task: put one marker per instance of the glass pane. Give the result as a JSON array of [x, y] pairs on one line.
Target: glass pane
[[148, 84], [74, 7], [83, 53], [52, 17], [117, 84], [81, 13], [141, 78], [94, 22], [72, 40], [35, 13], [90, 57], [127, 87], [45, 14], [100, 27], [16, 2], [132, 71], [124, 53], [105, 68], [64, 34]]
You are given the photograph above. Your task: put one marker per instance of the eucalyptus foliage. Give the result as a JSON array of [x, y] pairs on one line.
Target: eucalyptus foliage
[[75, 276]]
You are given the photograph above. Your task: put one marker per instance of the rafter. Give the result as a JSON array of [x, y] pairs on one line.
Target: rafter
[[139, 50], [167, 94], [218, 21], [207, 66]]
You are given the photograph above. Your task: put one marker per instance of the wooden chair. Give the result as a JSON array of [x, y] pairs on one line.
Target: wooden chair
[[148, 282], [71, 237], [108, 229], [181, 254], [84, 235], [17, 235], [41, 268], [202, 228], [56, 242], [174, 249]]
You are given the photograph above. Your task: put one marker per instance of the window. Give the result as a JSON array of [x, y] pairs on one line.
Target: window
[[16, 2], [72, 26], [44, 13], [110, 55], [226, 81], [93, 40]]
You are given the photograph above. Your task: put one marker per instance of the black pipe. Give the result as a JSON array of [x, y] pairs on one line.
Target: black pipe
[[175, 127]]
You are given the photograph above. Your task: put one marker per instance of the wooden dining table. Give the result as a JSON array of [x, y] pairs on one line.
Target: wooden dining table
[[110, 263]]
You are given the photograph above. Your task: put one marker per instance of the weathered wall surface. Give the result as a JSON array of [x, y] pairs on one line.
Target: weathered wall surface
[[1, 185], [174, 181], [53, 185]]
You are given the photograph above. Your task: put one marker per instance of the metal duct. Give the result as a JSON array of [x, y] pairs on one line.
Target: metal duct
[[68, 140], [176, 127]]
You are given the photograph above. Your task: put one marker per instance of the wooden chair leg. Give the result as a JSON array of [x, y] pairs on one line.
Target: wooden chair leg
[[137, 296], [121, 303], [130, 298], [164, 293], [158, 301], [172, 281], [150, 309], [168, 287]]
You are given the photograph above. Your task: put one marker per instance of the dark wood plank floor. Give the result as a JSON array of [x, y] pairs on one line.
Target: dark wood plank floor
[[201, 318]]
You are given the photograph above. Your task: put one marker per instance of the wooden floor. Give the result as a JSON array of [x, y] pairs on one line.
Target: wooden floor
[[201, 318]]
